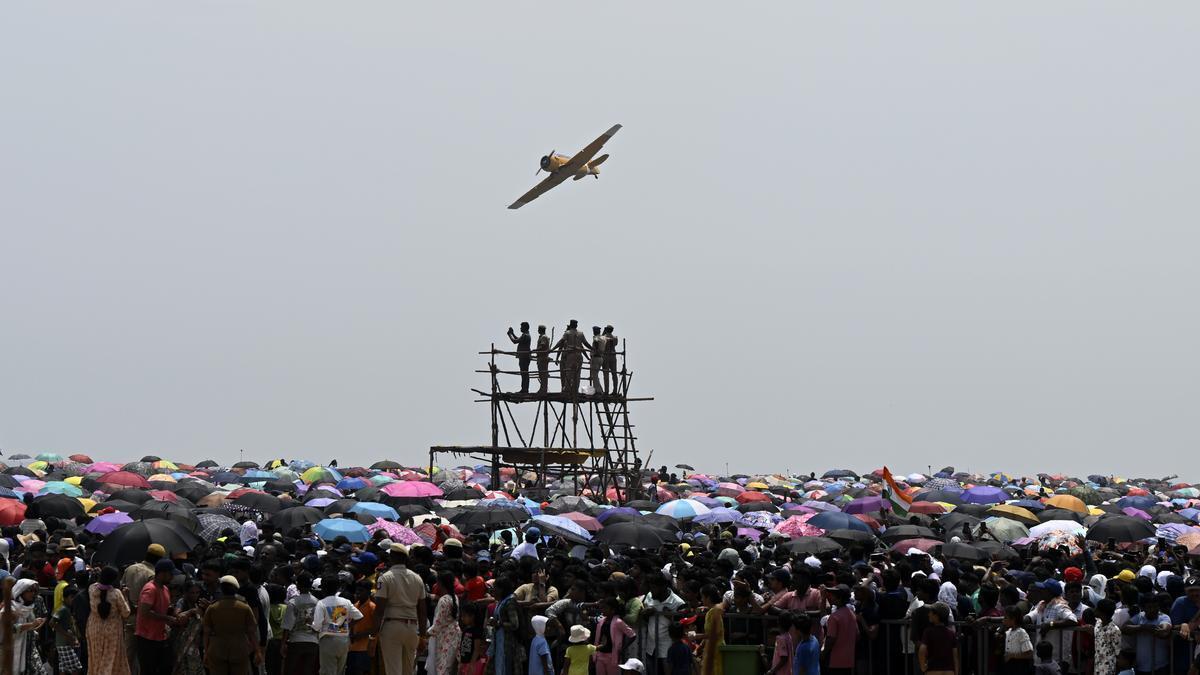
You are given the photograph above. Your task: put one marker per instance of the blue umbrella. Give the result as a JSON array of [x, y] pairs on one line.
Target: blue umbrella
[[351, 484], [1191, 514], [332, 528], [719, 515], [831, 520], [1138, 502], [60, 488], [375, 509], [563, 526], [1030, 504]]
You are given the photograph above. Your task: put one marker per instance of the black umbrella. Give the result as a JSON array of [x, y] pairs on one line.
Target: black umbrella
[[964, 552], [406, 511], [852, 537], [643, 505], [662, 522], [901, 532], [259, 502], [298, 516], [127, 544], [463, 493], [485, 519], [953, 522], [151, 458], [20, 471], [322, 494], [387, 465], [685, 467], [118, 504], [135, 495], [1121, 528], [206, 464], [6, 480], [636, 535], [948, 496], [245, 465], [997, 550], [279, 485], [192, 491], [813, 546], [59, 506], [567, 504], [369, 494], [169, 511], [978, 510], [340, 506], [1059, 514], [758, 506]]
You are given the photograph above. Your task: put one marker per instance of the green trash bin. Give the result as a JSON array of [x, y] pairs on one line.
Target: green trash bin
[[741, 660]]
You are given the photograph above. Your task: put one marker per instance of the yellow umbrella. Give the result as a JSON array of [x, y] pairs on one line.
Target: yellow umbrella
[[38, 466], [166, 478], [947, 505], [73, 480], [1094, 511], [757, 486], [1068, 502], [88, 504], [1017, 513], [165, 465]]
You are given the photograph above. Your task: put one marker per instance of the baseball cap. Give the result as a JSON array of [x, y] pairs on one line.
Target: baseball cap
[[156, 549], [398, 548], [1050, 585], [164, 565], [366, 558], [452, 543], [1125, 575]]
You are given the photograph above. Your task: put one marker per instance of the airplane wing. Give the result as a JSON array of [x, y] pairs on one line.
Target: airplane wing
[[566, 170]]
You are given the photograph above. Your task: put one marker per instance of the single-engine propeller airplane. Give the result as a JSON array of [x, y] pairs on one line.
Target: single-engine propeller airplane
[[562, 167]]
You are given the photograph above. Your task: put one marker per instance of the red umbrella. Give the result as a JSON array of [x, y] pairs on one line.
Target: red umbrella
[[165, 496], [125, 478], [928, 508], [583, 520], [412, 488], [83, 459], [747, 497], [12, 512]]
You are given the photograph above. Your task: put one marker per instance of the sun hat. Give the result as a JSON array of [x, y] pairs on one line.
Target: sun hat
[[579, 635], [156, 549], [633, 665]]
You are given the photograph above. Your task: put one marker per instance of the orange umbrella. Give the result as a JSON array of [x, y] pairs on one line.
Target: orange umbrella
[[1068, 502]]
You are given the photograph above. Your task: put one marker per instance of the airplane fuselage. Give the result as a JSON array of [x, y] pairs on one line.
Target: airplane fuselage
[[554, 162]]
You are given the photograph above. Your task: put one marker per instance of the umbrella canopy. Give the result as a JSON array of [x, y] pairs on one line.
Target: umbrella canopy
[[894, 534], [484, 519], [812, 546], [108, 522], [831, 520], [866, 505], [561, 505], [964, 552], [297, 516], [332, 528], [169, 511], [1068, 502], [798, 526], [921, 544], [376, 510], [59, 506], [213, 524], [12, 512], [633, 535], [1121, 528], [1006, 529], [259, 502], [1068, 526], [562, 527], [397, 533], [585, 521], [1017, 513], [984, 494], [852, 538], [124, 478], [720, 514], [412, 488], [681, 509], [128, 543]]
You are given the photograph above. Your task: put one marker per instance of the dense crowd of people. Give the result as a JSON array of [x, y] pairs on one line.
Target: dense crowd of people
[[927, 582]]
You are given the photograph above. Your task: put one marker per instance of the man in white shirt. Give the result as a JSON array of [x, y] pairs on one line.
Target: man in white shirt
[[658, 610], [529, 546], [331, 620], [1051, 615]]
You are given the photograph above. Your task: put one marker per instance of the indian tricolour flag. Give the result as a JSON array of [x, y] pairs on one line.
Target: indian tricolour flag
[[900, 500]]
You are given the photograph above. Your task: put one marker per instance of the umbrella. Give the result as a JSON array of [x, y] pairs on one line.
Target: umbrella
[[1121, 528], [964, 552], [108, 522], [240, 465], [485, 518], [1059, 514], [59, 506], [681, 509], [12, 512], [997, 550], [798, 526], [1017, 513], [386, 465], [852, 537], [297, 516], [213, 524], [839, 473], [921, 544], [320, 474], [562, 527], [685, 467], [984, 494], [719, 515], [412, 488], [61, 488], [128, 543], [82, 459], [125, 478], [831, 520], [894, 534], [397, 533], [259, 502], [1068, 502], [585, 521], [1068, 526], [376, 510], [561, 505], [1137, 502], [169, 511], [947, 496], [634, 535], [1006, 529], [332, 528], [812, 546]]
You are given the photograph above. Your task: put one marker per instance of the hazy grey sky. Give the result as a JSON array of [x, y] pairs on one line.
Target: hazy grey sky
[[834, 234]]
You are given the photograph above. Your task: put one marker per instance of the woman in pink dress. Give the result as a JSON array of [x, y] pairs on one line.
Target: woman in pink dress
[[611, 636]]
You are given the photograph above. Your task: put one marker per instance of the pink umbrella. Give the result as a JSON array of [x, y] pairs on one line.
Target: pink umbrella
[[32, 485], [396, 532], [164, 496], [102, 467], [797, 526], [920, 544], [583, 520], [729, 489], [412, 488]]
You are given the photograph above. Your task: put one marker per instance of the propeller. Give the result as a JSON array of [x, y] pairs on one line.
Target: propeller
[[544, 163]]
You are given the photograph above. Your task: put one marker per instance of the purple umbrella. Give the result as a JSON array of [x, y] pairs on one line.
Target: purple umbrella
[[108, 522], [707, 501], [821, 506], [320, 502], [984, 494], [609, 513], [719, 515], [749, 532], [1136, 513], [865, 505]]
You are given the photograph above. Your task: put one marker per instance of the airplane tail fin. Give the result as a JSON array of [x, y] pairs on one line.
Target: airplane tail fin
[[591, 168]]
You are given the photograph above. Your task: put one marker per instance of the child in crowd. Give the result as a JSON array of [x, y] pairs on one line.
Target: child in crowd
[[579, 654], [66, 637], [679, 655], [1018, 648], [808, 651], [1046, 665], [472, 655], [539, 649]]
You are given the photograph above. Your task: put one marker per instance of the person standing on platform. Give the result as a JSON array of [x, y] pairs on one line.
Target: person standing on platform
[[523, 353]]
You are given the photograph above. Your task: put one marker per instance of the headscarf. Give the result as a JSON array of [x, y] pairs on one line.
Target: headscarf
[[539, 624], [948, 593], [1097, 585], [1148, 571], [249, 532], [23, 612]]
